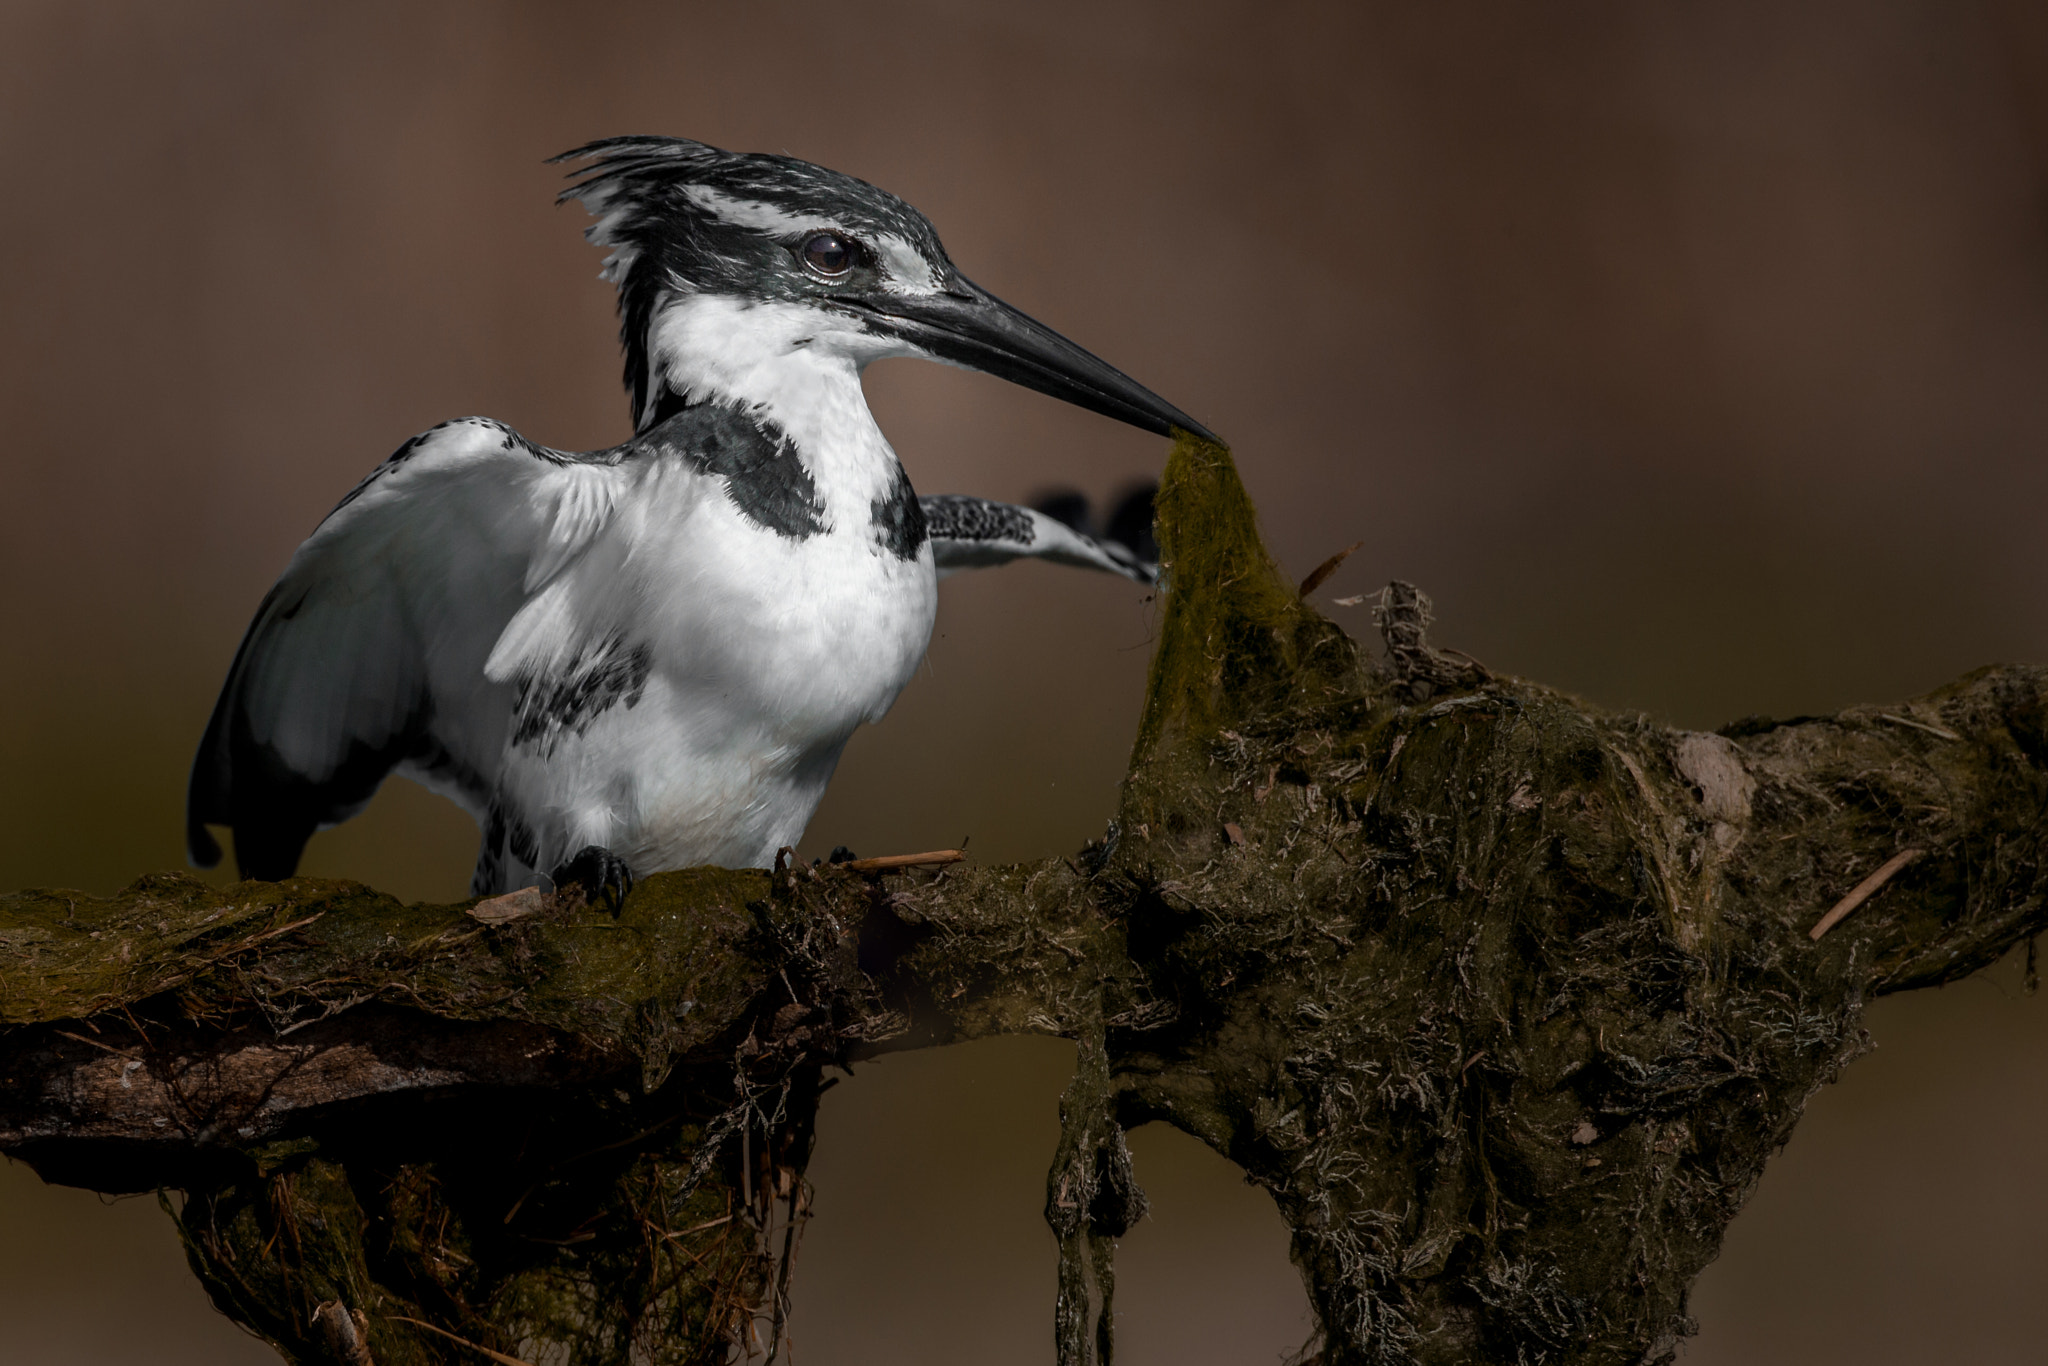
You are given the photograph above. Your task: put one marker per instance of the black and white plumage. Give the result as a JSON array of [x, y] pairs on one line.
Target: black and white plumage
[[658, 651], [972, 533]]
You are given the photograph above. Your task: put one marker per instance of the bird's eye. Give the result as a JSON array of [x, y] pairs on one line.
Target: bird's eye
[[828, 254]]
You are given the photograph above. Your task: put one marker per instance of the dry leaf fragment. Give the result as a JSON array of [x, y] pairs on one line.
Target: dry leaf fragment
[[1325, 569]]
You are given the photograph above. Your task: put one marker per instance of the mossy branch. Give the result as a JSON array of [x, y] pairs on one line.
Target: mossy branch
[[1504, 999]]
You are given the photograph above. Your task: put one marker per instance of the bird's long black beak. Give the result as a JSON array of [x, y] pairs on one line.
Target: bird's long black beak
[[969, 326]]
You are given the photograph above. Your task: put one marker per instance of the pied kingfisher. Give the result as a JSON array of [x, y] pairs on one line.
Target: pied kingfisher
[[651, 656]]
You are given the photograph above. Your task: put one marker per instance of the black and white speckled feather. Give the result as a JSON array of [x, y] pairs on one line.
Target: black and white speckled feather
[[978, 533]]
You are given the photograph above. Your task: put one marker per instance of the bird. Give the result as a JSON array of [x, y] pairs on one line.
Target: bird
[[651, 656]]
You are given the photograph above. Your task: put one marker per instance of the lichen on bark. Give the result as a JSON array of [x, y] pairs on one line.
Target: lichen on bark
[[1506, 1001]]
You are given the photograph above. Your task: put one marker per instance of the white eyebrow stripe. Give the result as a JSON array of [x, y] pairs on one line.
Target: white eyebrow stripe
[[751, 213], [908, 270]]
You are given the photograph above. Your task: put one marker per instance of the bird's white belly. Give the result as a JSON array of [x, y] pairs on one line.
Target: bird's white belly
[[765, 652]]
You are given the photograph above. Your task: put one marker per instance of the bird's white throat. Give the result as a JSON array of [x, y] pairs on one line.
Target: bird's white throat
[[800, 365]]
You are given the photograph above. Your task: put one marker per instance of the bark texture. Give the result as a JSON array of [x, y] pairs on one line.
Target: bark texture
[[1504, 999]]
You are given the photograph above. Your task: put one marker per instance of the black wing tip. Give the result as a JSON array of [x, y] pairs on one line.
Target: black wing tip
[[1130, 516], [205, 789], [1131, 523], [1067, 506], [202, 850], [268, 847], [257, 857], [1126, 534], [267, 866]]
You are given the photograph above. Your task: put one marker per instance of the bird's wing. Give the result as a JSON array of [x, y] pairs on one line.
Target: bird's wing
[[975, 533], [369, 652]]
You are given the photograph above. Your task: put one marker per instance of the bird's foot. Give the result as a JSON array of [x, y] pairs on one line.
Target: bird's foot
[[596, 874]]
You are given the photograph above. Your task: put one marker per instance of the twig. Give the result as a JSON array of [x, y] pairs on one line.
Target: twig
[[1942, 731], [270, 934], [498, 1357], [698, 1228], [1863, 891], [876, 865], [117, 1052]]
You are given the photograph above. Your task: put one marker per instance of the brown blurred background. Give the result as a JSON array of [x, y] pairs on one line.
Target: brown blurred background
[[1695, 357]]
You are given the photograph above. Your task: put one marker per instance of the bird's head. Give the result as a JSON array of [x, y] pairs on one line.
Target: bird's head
[[723, 260]]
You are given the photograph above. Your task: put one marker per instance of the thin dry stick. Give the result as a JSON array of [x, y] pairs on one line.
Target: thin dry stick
[[498, 1357], [117, 1052], [876, 865], [699, 1228], [1943, 731], [1863, 891]]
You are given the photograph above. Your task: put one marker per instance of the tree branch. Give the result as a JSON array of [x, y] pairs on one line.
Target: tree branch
[[1504, 999]]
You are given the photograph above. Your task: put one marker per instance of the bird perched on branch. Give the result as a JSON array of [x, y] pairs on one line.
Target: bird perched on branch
[[650, 656]]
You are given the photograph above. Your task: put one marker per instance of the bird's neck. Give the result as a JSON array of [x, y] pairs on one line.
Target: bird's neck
[[779, 360]]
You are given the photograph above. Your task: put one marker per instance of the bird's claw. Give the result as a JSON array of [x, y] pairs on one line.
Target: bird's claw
[[601, 876]]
